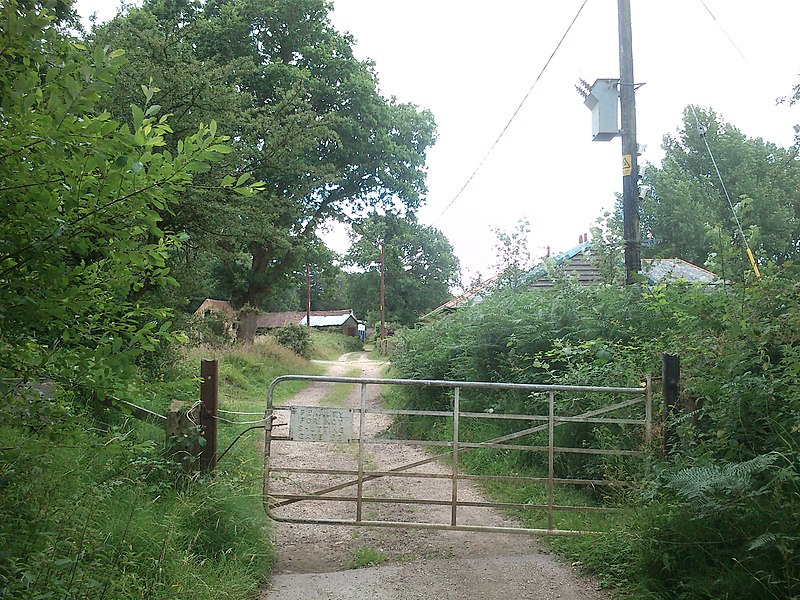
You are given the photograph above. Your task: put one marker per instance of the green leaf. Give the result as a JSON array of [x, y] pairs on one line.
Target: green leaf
[[138, 117]]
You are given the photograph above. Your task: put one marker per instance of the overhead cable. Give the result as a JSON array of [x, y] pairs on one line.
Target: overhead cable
[[730, 39], [703, 130], [538, 77]]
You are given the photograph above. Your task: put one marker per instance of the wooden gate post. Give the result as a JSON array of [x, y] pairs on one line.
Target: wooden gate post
[[209, 370], [670, 386]]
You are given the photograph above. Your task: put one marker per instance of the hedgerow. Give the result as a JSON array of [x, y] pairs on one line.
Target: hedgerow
[[715, 515]]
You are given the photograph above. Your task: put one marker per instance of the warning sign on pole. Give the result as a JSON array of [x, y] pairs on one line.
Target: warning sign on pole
[[626, 165]]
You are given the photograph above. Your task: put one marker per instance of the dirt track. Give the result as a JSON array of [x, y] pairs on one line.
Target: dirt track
[[314, 561]]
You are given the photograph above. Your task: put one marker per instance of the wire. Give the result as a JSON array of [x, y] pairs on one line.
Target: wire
[[508, 124], [238, 437], [703, 132], [730, 39]]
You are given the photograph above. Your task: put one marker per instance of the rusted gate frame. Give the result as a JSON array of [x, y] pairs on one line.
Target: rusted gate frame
[[457, 446]]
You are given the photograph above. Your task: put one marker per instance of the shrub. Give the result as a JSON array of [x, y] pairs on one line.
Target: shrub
[[295, 337]]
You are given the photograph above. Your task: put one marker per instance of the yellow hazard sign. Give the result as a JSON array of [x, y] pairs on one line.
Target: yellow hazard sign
[[626, 165]]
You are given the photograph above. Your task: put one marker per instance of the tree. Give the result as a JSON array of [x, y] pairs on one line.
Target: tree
[[306, 117], [420, 267], [513, 256], [80, 224], [687, 213]]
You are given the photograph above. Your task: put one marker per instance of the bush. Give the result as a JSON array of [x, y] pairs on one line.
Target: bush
[[295, 337], [718, 520]]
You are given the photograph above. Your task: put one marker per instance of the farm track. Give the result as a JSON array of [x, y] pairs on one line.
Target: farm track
[[314, 561]]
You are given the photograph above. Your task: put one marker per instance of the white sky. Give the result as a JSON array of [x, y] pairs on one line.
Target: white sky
[[471, 62]]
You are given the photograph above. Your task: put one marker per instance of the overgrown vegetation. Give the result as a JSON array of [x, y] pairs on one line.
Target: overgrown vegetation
[[91, 508], [715, 518], [294, 337], [327, 345]]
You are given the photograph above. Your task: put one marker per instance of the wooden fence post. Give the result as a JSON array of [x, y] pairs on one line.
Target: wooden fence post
[[182, 441], [670, 389], [209, 370]]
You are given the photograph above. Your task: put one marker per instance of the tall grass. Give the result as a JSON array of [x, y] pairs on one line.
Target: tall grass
[[330, 345], [90, 508]]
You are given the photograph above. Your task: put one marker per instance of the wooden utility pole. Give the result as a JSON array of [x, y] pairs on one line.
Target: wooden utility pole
[[383, 311], [630, 170], [308, 297]]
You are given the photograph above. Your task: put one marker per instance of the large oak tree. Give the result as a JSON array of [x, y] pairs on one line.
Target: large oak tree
[[305, 115]]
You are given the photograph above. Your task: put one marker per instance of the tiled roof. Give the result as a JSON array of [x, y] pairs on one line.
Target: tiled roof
[[279, 319]]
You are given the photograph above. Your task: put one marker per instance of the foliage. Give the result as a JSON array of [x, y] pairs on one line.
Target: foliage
[[716, 520], [420, 268], [366, 556], [687, 214], [724, 529], [213, 329], [90, 508], [94, 514], [294, 337], [513, 256], [330, 345], [306, 115], [82, 197]]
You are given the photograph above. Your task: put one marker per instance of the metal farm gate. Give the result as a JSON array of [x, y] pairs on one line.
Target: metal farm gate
[[349, 495]]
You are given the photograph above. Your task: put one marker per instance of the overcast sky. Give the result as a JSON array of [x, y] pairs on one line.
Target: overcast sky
[[471, 62]]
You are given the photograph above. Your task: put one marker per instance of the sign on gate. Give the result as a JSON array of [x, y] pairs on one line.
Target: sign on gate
[[315, 424]]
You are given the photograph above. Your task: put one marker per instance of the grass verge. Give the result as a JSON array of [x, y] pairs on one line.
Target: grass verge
[[366, 556], [330, 346], [339, 393], [90, 508]]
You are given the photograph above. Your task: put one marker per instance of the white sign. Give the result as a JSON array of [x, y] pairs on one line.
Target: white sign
[[314, 424]]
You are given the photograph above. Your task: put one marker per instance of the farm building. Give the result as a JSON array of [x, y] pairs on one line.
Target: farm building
[[584, 267], [221, 306], [343, 321]]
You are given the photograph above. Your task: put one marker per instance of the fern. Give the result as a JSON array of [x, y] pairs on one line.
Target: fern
[[713, 487]]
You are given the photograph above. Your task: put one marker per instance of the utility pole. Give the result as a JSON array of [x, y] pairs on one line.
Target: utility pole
[[630, 169], [383, 311], [308, 297]]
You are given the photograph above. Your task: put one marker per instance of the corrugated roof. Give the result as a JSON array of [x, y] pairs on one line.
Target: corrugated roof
[[282, 319], [327, 320], [471, 294], [675, 269]]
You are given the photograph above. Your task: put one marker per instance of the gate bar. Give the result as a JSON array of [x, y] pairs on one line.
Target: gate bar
[[447, 476], [454, 510], [484, 385], [361, 451]]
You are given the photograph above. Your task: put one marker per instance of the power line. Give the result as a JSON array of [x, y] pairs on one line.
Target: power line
[[538, 77], [701, 129], [730, 39]]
